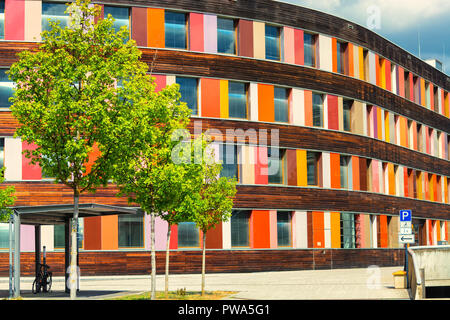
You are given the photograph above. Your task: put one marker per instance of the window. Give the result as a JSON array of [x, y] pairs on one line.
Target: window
[[317, 110], [175, 30], [309, 42], [6, 89], [272, 43], [341, 52], [131, 230], [237, 100], [59, 234], [230, 161], [4, 235], [427, 95], [121, 16], [226, 36], [312, 165], [366, 65], [348, 104], [239, 228], [2, 152], [284, 229], [189, 92], [419, 138], [347, 231], [276, 165], [407, 86], [436, 100], [188, 235], [2, 19], [344, 167], [54, 11], [281, 96]]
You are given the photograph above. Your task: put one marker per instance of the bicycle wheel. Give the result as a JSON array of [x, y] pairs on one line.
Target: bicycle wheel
[[36, 287], [48, 284]]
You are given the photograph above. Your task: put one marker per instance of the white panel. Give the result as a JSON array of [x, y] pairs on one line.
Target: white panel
[[372, 69], [440, 110], [301, 230], [253, 92], [327, 228], [298, 104], [325, 112], [47, 238], [13, 159], [356, 61], [170, 80], [364, 105], [394, 79], [373, 220], [325, 53], [33, 20], [326, 170], [383, 125], [226, 235]]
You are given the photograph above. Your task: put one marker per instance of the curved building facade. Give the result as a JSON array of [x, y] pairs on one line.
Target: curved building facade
[[358, 127]]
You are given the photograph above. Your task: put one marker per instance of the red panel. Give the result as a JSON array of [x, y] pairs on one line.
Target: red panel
[[388, 75], [299, 47], [139, 25], [431, 88], [245, 38], [160, 81], [173, 237], [333, 113], [15, 20], [210, 98], [318, 230], [196, 42], [29, 171], [261, 166], [92, 233], [214, 237], [291, 156], [261, 229]]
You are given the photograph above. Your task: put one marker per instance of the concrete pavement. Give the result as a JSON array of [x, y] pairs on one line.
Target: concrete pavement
[[367, 283]]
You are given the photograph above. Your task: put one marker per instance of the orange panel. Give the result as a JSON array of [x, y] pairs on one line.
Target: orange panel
[[351, 64], [155, 28], [334, 53], [355, 174], [92, 233], [318, 230], [391, 176], [383, 231], [110, 232], [266, 109], [335, 224], [308, 108], [335, 170], [93, 155], [210, 98], [261, 229]]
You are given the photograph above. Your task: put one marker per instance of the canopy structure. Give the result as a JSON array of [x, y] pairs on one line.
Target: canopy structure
[[50, 215]]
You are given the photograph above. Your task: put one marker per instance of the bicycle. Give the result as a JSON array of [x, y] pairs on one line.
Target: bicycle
[[43, 280]]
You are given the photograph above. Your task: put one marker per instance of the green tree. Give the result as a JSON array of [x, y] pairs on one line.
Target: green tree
[[7, 198], [68, 103]]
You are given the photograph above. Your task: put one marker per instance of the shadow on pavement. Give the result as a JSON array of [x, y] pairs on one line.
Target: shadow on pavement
[[61, 295]]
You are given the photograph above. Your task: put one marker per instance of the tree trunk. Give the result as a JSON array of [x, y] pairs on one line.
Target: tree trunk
[[166, 288], [203, 263], [153, 289], [73, 249]]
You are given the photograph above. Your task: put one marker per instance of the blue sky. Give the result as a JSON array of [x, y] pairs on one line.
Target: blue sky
[[403, 22]]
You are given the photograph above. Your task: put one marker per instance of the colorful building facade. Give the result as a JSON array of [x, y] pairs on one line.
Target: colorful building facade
[[358, 127]]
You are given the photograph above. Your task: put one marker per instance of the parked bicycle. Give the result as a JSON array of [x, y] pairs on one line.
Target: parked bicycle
[[43, 280]]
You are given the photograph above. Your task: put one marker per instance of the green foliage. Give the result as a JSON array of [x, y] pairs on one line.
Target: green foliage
[[7, 198], [67, 101]]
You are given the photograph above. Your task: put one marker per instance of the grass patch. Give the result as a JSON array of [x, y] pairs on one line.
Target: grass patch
[[180, 295]]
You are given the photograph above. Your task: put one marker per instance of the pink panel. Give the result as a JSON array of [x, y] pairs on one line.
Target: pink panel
[[375, 176], [160, 81], [261, 166], [289, 47], [29, 171], [210, 30], [27, 238], [299, 49], [160, 233], [333, 114], [273, 230], [196, 42], [14, 19]]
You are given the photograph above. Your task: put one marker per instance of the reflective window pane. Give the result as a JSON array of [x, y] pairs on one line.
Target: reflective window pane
[[226, 36], [4, 235], [59, 235], [188, 91], [284, 229], [131, 230], [276, 165], [344, 166], [188, 235], [2, 152], [54, 11], [2, 19], [175, 30], [281, 105], [239, 228], [229, 158], [347, 231], [121, 16], [312, 159], [237, 100], [317, 110], [309, 49], [6, 89], [347, 114], [272, 43]]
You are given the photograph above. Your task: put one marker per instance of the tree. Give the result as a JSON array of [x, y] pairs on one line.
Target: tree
[[7, 198], [69, 105]]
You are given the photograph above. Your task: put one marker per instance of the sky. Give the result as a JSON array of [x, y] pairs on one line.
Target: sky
[[403, 22]]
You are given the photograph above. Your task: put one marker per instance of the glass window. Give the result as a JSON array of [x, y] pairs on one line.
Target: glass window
[[317, 110], [2, 152], [309, 49], [312, 163], [229, 158], [239, 228], [276, 165], [189, 93], [344, 167], [226, 36], [237, 100], [281, 104], [59, 235], [348, 104], [272, 43], [4, 235], [54, 11], [188, 235], [175, 30], [2, 19], [284, 229], [347, 231], [6, 89], [131, 230], [121, 16], [341, 53]]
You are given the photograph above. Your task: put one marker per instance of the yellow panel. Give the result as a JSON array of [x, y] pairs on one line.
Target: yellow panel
[[259, 40], [224, 107], [302, 177], [361, 63], [387, 128], [335, 229]]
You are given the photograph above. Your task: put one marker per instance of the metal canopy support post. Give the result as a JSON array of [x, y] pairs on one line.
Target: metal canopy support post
[[66, 253], [37, 248], [16, 254], [11, 268]]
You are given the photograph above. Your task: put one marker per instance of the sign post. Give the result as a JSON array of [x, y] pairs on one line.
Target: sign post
[[406, 236]]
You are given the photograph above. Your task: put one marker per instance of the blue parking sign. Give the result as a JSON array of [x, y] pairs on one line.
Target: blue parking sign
[[405, 215]]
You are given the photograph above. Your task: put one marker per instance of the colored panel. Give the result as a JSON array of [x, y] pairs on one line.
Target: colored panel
[[161, 227], [335, 222], [401, 81], [173, 237], [391, 179], [110, 232], [196, 41], [333, 113], [210, 93], [351, 70], [27, 239], [245, 38], [361, 63], [302, 177], [214, 237], [248, 164], [13, 159], [266, 110], [308, 108], [299, 47], [259, 41], [356, 183], [92, 233], [33, 23], [155, 28], [446, 100], [261, 229], [160, 81], [318, 230], [29, 171], [224, 107], [387, 76], [335, 171], [379, 123], [383, 231], [289, 45], [274, 229], [210, 33], [334, 53], [139, 25], [423, 99], [261, 166], [102, 13], [291, 156], [14, 20], [432, 106], [325, 53]]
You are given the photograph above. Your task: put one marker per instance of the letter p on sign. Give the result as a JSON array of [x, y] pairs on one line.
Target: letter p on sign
[[405, 215]]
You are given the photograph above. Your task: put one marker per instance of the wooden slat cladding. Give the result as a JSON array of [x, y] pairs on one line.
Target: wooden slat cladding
[[316, 139], [238, 68], [307, 19], [217, 261], [253, 197]]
